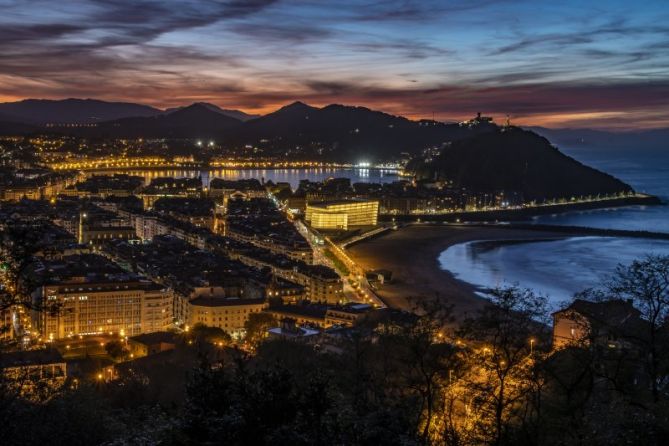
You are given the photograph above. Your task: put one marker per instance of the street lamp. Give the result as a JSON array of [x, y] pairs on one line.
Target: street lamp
[[531, 346]]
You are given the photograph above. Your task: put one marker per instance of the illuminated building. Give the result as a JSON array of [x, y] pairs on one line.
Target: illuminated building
[[39, 188], [119, 185], [342, 214], [228, 314], [320, 315], [170, 187], [152, 343], [610, 324], [96, 232], [92, 296], [222, 190], [259, 222], [321, 283]]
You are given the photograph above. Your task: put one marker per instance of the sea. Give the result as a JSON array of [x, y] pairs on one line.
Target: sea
[[561, 268]]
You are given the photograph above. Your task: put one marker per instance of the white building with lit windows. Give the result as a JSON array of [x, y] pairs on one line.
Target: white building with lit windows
[[342, 214]]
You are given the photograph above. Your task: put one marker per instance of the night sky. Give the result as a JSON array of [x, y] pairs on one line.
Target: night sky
[[559, 63]]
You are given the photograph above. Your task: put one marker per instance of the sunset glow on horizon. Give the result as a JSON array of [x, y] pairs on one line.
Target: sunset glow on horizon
[[558, 64]]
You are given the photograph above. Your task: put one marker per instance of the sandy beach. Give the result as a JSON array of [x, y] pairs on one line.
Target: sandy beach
[[412, 253]]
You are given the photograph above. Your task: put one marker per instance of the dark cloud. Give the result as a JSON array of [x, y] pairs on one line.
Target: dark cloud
[[407, 57], [586, 36], [290, 33], [408, 11], [407, 48], [26, 33], [111, 46], [556, 39], [105, 23]]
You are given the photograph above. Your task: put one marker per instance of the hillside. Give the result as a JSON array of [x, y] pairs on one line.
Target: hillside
[[194, 121], [345, 132], [517, 160], [335, 132], [237, 114], [42, 111]]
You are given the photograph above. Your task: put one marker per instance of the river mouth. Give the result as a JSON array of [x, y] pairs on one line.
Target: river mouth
[[555, 267]]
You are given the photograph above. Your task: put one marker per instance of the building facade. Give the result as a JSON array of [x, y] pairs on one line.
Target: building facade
[[342, 214], [228, 314], [85, 308]]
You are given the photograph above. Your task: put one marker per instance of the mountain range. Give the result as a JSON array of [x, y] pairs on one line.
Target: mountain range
[[477, 155], [90, 111], [70, 111], [336, 131], [237, 114]]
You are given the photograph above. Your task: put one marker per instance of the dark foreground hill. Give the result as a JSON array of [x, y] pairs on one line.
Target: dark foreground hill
[[512, 159]]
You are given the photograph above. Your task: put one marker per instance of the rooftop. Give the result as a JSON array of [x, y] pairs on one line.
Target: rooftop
[[250, 184], [155, 338], [325, 203], [30, 357], [224, 302]]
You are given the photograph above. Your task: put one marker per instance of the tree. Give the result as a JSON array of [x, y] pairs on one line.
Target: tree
[[116, 350], [427, 361], [501, 340], [18, 245], [646, 283], [212, 335], [256, 327]]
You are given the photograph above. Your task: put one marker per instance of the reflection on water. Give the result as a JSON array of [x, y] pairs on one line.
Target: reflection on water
[[557, 268], [292, 176]]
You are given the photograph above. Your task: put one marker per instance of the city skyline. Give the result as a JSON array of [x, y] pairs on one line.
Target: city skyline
[[598, 65]]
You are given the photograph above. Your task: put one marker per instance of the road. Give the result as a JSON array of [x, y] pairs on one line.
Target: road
[[361, 286], [356, 286]]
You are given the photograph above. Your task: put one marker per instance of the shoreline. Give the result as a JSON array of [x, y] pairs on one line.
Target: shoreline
[[412, 254], [526, 213]]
